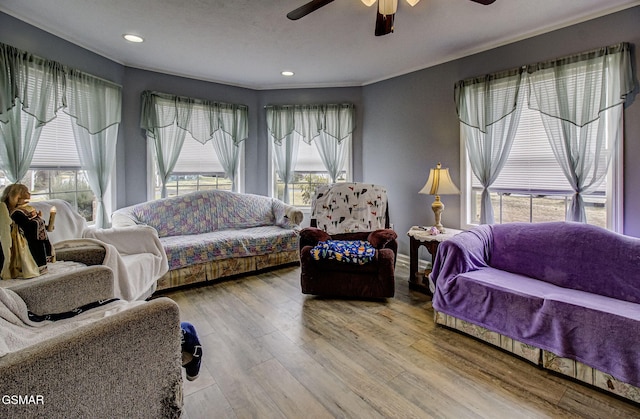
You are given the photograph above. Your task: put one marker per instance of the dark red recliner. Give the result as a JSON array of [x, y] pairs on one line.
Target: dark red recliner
[[349, 211]]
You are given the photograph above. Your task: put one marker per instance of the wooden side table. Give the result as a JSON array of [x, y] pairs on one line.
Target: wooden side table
[[419, 236]]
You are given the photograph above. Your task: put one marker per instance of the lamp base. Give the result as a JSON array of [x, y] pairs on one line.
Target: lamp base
[[437, 206]]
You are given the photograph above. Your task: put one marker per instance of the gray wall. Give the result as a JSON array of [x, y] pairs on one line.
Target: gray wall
[[405, 125]]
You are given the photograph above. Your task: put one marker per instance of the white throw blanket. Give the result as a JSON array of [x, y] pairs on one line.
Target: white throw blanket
[[68, 224], [18, 332], [134, 253]]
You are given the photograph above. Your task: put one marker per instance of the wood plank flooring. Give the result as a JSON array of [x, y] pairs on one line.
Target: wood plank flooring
[[272, 352]]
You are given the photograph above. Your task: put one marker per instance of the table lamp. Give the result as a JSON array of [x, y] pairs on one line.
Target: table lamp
[[439, 183]]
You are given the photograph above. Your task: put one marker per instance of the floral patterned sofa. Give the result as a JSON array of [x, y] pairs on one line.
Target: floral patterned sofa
[[565, 296], [213, 234]]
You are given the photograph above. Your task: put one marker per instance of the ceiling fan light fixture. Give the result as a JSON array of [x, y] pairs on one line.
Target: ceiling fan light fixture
[[387, 7], [412, 2], [368, 3]]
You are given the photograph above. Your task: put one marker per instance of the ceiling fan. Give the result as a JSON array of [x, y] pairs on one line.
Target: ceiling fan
[[385, 13]]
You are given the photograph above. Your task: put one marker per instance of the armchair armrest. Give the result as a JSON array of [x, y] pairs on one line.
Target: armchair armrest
[[384, 239], [129, 240], [86, 253], [464, 252], [123, 363], [310, 236], [122, 220], [64, 292]]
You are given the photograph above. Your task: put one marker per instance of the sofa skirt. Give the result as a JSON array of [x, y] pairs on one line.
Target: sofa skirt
[[548, 360], [222, 268]]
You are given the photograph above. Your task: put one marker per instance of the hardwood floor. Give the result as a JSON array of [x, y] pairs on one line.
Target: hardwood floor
[[272, 352]]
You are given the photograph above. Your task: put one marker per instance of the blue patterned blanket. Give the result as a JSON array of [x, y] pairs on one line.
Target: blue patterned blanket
[[349, 251]]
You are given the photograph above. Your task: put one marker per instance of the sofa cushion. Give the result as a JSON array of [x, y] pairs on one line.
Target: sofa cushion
[[224, 244], [598, 331], [242, 210], [186, 214], [570, 255]]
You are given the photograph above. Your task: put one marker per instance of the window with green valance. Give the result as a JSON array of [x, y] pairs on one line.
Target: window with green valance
[[167, 119]]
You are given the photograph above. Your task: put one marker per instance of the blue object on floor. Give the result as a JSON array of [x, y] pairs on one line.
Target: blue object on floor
[[191, 351]]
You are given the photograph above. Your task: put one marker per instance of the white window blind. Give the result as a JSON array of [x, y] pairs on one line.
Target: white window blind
[[309, 159], [196, 157], [56, 147], [532, 167]]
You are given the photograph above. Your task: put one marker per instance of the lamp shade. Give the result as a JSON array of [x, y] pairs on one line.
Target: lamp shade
[[368, 3], [439, 183]]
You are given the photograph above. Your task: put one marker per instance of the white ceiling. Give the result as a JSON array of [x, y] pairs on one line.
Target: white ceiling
[[249, 42]]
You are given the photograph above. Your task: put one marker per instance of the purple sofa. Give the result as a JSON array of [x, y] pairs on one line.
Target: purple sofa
[[563, 295]]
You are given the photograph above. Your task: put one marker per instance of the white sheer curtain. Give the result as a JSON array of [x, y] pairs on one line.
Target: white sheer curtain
[[31, 92], [18, 141], [285, 124], [489, 109], [334, 140], [580, 99], [96, 105], [168, 118], [163, 119], [333, 153], [228, 154], [230, 126]]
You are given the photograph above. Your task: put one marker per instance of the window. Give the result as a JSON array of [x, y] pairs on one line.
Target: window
[[528, 131], [309, 172], [55, 171], [193, 144], [44, 92], [532, 187], [310, 145], [198, 168]]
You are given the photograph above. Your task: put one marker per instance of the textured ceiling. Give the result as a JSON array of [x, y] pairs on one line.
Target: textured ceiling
[[249, 42]]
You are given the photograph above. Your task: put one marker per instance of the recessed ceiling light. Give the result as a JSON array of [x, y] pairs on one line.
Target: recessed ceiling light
[[287, 73], [132, 38]]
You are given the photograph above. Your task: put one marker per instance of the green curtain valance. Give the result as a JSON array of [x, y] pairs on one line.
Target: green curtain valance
[[603, 77], [580, 87], [483, 101], [201, 118], [308, 121], [42, 87]]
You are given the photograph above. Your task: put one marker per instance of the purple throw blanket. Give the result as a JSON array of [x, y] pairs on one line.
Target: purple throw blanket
[[571, 289]]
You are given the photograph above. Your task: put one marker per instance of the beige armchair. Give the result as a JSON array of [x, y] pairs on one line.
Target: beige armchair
[[120, 360]]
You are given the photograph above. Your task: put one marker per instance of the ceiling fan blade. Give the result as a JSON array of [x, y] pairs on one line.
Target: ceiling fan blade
[[305, 9], [485, 2], [384, 24]]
